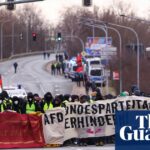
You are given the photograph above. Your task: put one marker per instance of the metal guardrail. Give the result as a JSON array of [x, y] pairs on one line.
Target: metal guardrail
[[30, 54]]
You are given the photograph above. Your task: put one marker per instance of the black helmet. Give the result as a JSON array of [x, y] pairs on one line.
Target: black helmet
[[30, 96], [48, 96], [74, 98], [4, 95], [66, 97]]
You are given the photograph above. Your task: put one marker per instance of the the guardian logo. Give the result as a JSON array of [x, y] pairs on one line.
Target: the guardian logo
[[132, 130], [142, 133]]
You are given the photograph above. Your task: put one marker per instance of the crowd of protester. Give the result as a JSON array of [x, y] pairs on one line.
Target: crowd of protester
[[57, 67], [34, 103]]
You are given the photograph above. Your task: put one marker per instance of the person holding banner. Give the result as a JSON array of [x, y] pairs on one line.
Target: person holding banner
[[65, 100], [57, 102], [47, 104], [74, 98], [30, 106], [6, 101], [16, 104]]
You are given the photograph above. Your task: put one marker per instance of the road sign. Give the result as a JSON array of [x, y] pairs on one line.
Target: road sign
[[115, 75]]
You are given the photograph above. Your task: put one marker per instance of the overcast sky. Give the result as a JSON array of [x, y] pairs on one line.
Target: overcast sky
[[51, 9]]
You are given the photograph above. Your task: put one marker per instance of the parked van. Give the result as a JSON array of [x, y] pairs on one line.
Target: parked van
[[97, 75], [18, 91]]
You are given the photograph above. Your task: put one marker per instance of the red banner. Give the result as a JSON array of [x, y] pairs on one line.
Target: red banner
[[20, 130]]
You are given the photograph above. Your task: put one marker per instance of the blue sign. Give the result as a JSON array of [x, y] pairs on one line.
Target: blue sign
[[132, 130]]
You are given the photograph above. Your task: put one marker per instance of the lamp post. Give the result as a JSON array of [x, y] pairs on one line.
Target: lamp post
[[27, 37], [2, 38], [13, 36], [138, 50]]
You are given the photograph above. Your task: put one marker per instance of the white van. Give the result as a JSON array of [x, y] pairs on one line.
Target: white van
[[15, 91], [96, 75], [95, 61]]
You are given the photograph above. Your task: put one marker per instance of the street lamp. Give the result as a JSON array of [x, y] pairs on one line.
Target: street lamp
[[135, 18], [13, 31]]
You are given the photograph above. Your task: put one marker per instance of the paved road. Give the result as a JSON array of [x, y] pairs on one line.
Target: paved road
[[33, 77]]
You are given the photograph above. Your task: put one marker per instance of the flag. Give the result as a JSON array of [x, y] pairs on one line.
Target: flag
[[1, 83]]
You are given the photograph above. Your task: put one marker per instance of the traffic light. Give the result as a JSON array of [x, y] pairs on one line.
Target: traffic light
[[59, 36], [34, 36], [87, 2], [10, 5]]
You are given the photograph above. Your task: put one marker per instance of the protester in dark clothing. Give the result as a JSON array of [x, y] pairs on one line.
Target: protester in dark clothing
[[65, 100], [53, 69], [60, 58], [38, 102], [5, 95], [74, 98], [44, 55], [63, 67], [22, 105], [15, 67], [83, 99], [16, 104], [57, 102], [6, 101], [87, 87], [83, 141], [93, 86], [58, 69], [98, 94], [77, 79], [57, 57], [99, 141], [84, 79], [48, 55]]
